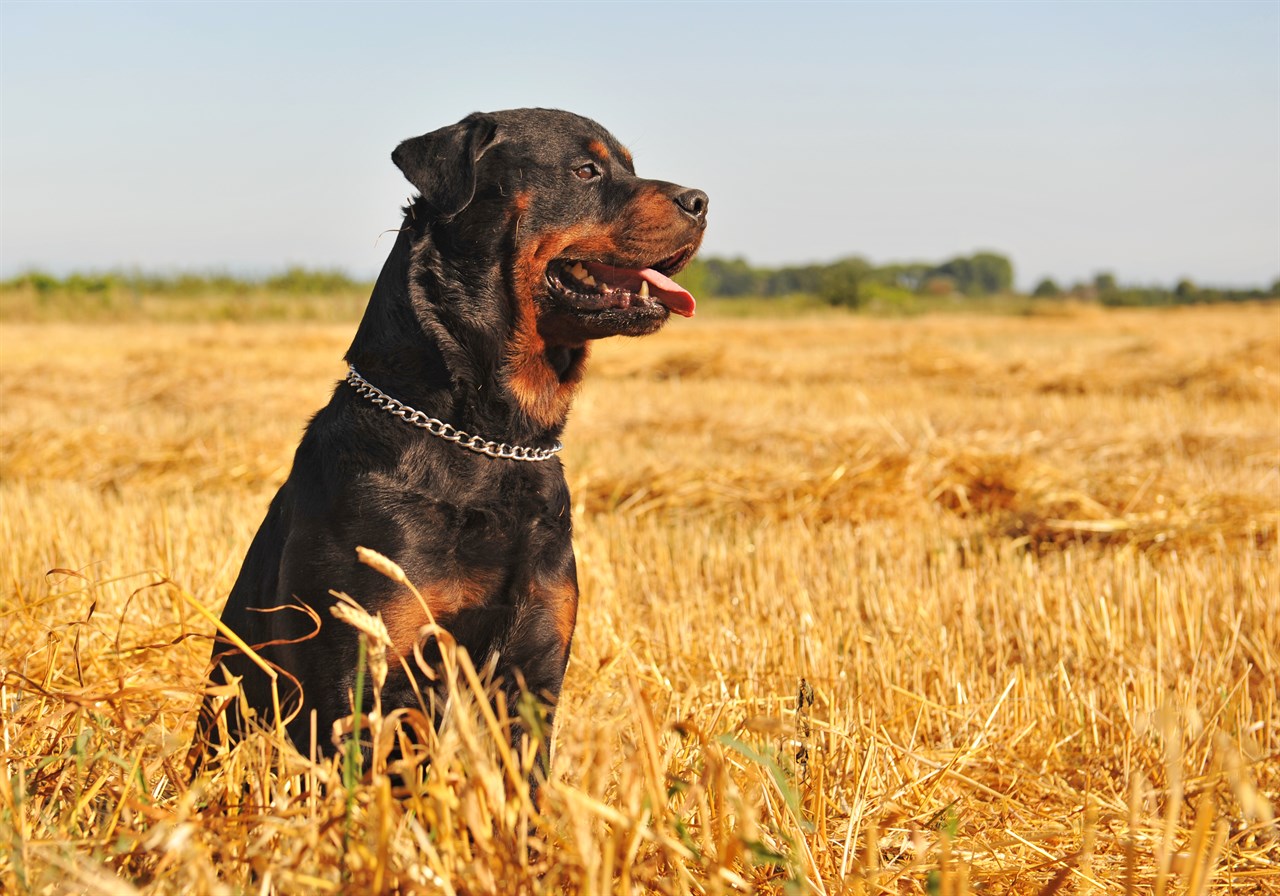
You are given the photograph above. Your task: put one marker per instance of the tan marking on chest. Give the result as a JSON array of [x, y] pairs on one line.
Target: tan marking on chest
[[405, 616], [561, 599]]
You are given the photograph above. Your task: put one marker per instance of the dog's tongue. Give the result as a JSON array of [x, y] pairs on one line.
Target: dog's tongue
[[668, 292], [661, 287]]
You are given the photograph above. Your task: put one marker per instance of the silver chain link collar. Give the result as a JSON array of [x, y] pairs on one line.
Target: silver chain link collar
[[444, 430]]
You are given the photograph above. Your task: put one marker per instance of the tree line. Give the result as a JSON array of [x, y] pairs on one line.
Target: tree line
[[851, 282], [855, 282], [295, 280], [1106, 290]]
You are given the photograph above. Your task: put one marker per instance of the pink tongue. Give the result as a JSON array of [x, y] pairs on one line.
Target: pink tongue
[[661, 287], [668, 292]]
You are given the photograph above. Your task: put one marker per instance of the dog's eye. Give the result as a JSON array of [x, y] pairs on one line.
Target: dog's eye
[[589, 171]]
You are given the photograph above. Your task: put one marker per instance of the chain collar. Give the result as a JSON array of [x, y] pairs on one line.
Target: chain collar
[[444, 430]]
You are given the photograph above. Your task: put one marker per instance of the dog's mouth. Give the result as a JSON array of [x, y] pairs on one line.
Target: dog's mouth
[[596, 286]]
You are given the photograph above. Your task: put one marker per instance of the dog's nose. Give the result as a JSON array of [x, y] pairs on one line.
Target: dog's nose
[[694, 204]]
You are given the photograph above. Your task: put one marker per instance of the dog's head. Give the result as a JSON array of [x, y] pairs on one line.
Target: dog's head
[[546, 205], [593, 246]]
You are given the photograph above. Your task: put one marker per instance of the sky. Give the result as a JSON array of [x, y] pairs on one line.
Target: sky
[[1140, 138]]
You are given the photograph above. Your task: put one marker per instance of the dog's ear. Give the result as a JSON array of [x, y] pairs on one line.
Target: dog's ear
[[442, 164]]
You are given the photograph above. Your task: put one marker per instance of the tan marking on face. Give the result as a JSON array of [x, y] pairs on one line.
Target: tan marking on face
[[599, 150], [652, 225], [653, 210], [536, 386], [625, 153]]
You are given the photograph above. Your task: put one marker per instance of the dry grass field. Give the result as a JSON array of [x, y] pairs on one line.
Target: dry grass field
[[944, 605]]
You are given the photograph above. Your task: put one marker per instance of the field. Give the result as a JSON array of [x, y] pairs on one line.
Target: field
[[943, 605]]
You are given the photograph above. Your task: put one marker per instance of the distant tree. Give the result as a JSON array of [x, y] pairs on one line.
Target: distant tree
[[909, 276], [1047, 289], [694, 278], [1083, 290], [732, 277], [40, 281], [938, 285], [1186, 292], [958, 270], [99, 283], [1104, 282], [980, 274], [843, 282], [795, 279], [1275, 288], [992, 273], [300, 280]]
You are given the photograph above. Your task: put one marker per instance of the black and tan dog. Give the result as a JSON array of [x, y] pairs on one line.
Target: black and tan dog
[[532, 236]]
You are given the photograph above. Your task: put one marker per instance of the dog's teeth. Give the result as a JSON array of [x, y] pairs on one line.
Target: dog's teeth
[[644, 289], [579, 271], [588, 280]]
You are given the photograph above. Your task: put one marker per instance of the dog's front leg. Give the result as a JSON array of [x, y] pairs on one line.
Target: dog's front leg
[[533, 661]]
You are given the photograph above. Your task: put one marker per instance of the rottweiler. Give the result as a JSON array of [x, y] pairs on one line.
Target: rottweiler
[[531, 235]]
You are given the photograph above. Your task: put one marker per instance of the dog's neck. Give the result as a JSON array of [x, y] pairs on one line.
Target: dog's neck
[[389, 343], [427, 342]]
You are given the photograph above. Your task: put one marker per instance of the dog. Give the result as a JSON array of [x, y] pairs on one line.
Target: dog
[[530, 237]]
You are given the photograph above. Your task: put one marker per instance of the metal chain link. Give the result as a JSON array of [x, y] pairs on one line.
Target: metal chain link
[[444, 430]]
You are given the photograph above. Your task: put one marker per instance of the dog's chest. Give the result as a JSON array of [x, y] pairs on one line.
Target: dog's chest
[[478, 535], [482, 559]]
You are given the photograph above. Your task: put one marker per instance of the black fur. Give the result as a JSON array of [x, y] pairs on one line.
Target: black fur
[[464, 325]]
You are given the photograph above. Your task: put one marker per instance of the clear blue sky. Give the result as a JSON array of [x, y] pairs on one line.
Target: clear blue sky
[[1141, 138]]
